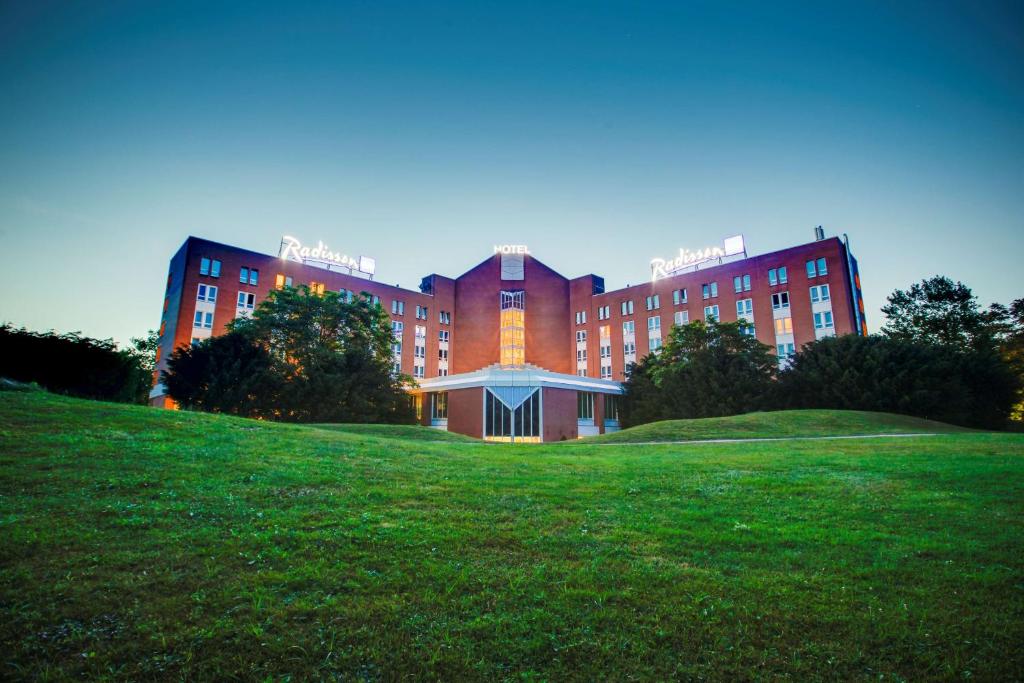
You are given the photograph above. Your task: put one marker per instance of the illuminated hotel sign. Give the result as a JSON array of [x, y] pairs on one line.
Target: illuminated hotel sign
[[511, 249], [321, 255], [691, 259]]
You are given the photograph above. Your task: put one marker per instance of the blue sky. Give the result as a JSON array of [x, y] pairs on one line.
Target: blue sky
[[601, 135]]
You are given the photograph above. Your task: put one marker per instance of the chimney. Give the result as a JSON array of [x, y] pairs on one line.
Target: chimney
[[819, 234]]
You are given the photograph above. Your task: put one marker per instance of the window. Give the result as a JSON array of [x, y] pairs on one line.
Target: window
[[744, 307], [606, 372], [784, 325], [777, 276], [820, 293], [654, 323], [653, 302], [681, 318], [443, 336], [282, 281], [606, 351], [711, 312], [445, 317], [442, 355], [397, 327], [418, 371], [203, 319], [709, 290], [605, 331], [421, 312], [628, 328], [246, 300], [345, 295], [397, 307], [780, 300], [207, 293], [816, 268], [502, 423], [611, 408], [654, 343], [678, 296], [316, 288], [823, 320], [584, 405], [747, 329], [581, 355], [581, 336], [581, 317], [209, 267], [248, 276], [439, 406], [785, 350], [512, 333], [627, 308], [746, 283], [629, 349], [604, 312]]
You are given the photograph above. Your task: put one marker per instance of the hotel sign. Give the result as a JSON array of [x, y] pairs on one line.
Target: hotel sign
[[507, 249], [661, 267], [321, 255]]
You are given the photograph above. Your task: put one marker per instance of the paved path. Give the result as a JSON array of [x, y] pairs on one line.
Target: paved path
[[759, 439]]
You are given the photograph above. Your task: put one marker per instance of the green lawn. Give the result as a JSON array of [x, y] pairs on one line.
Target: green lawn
[[781, 424], [406, 432], [143, 544]]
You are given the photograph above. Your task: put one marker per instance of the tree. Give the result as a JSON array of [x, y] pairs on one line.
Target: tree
[[302, 357], [73, 364], [1010, 336], [704, 370], [226, 374], [938, 311], [972, 387]]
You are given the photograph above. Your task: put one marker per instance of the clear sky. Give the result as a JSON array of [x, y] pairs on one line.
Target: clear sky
[[600, 134]]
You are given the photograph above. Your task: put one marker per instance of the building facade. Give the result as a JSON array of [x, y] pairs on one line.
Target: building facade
[[512, 350]]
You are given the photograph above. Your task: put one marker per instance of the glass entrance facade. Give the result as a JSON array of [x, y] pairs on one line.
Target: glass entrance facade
[[521, 423]]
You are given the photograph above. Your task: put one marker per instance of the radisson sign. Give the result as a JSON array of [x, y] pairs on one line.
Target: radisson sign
[[321, 255], [661, 267]]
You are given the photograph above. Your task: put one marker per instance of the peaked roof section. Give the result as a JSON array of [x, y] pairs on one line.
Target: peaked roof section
[[527, 258]]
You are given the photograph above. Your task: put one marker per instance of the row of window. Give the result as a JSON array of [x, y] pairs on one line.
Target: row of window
[[743, 306], [585, 406]]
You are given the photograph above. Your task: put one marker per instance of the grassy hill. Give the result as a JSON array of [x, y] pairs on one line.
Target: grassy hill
[[144, 544], [406, 432], [781, 424]]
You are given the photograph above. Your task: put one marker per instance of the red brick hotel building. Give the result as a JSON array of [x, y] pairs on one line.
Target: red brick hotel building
[[511, 349]]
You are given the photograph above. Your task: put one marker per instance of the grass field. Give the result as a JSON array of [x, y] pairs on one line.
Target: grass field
[[143, 544], [781, 424]]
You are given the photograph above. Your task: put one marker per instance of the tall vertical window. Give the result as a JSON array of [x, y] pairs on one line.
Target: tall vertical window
[[584, 406], [439, 406], [513, 328]]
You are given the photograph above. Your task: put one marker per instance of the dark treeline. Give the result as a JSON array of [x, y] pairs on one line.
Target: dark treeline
[[939, 357], [76, 365]]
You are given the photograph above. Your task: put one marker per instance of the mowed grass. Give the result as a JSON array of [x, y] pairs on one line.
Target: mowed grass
[[143, 544], [405, 432], [781, 424]]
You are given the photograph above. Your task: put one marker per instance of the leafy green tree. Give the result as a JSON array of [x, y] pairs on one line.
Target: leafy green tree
[[703, 370], [972, 387], [225, 374], [334, 356], [143, 349], [1010, 335], [938, 311]]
